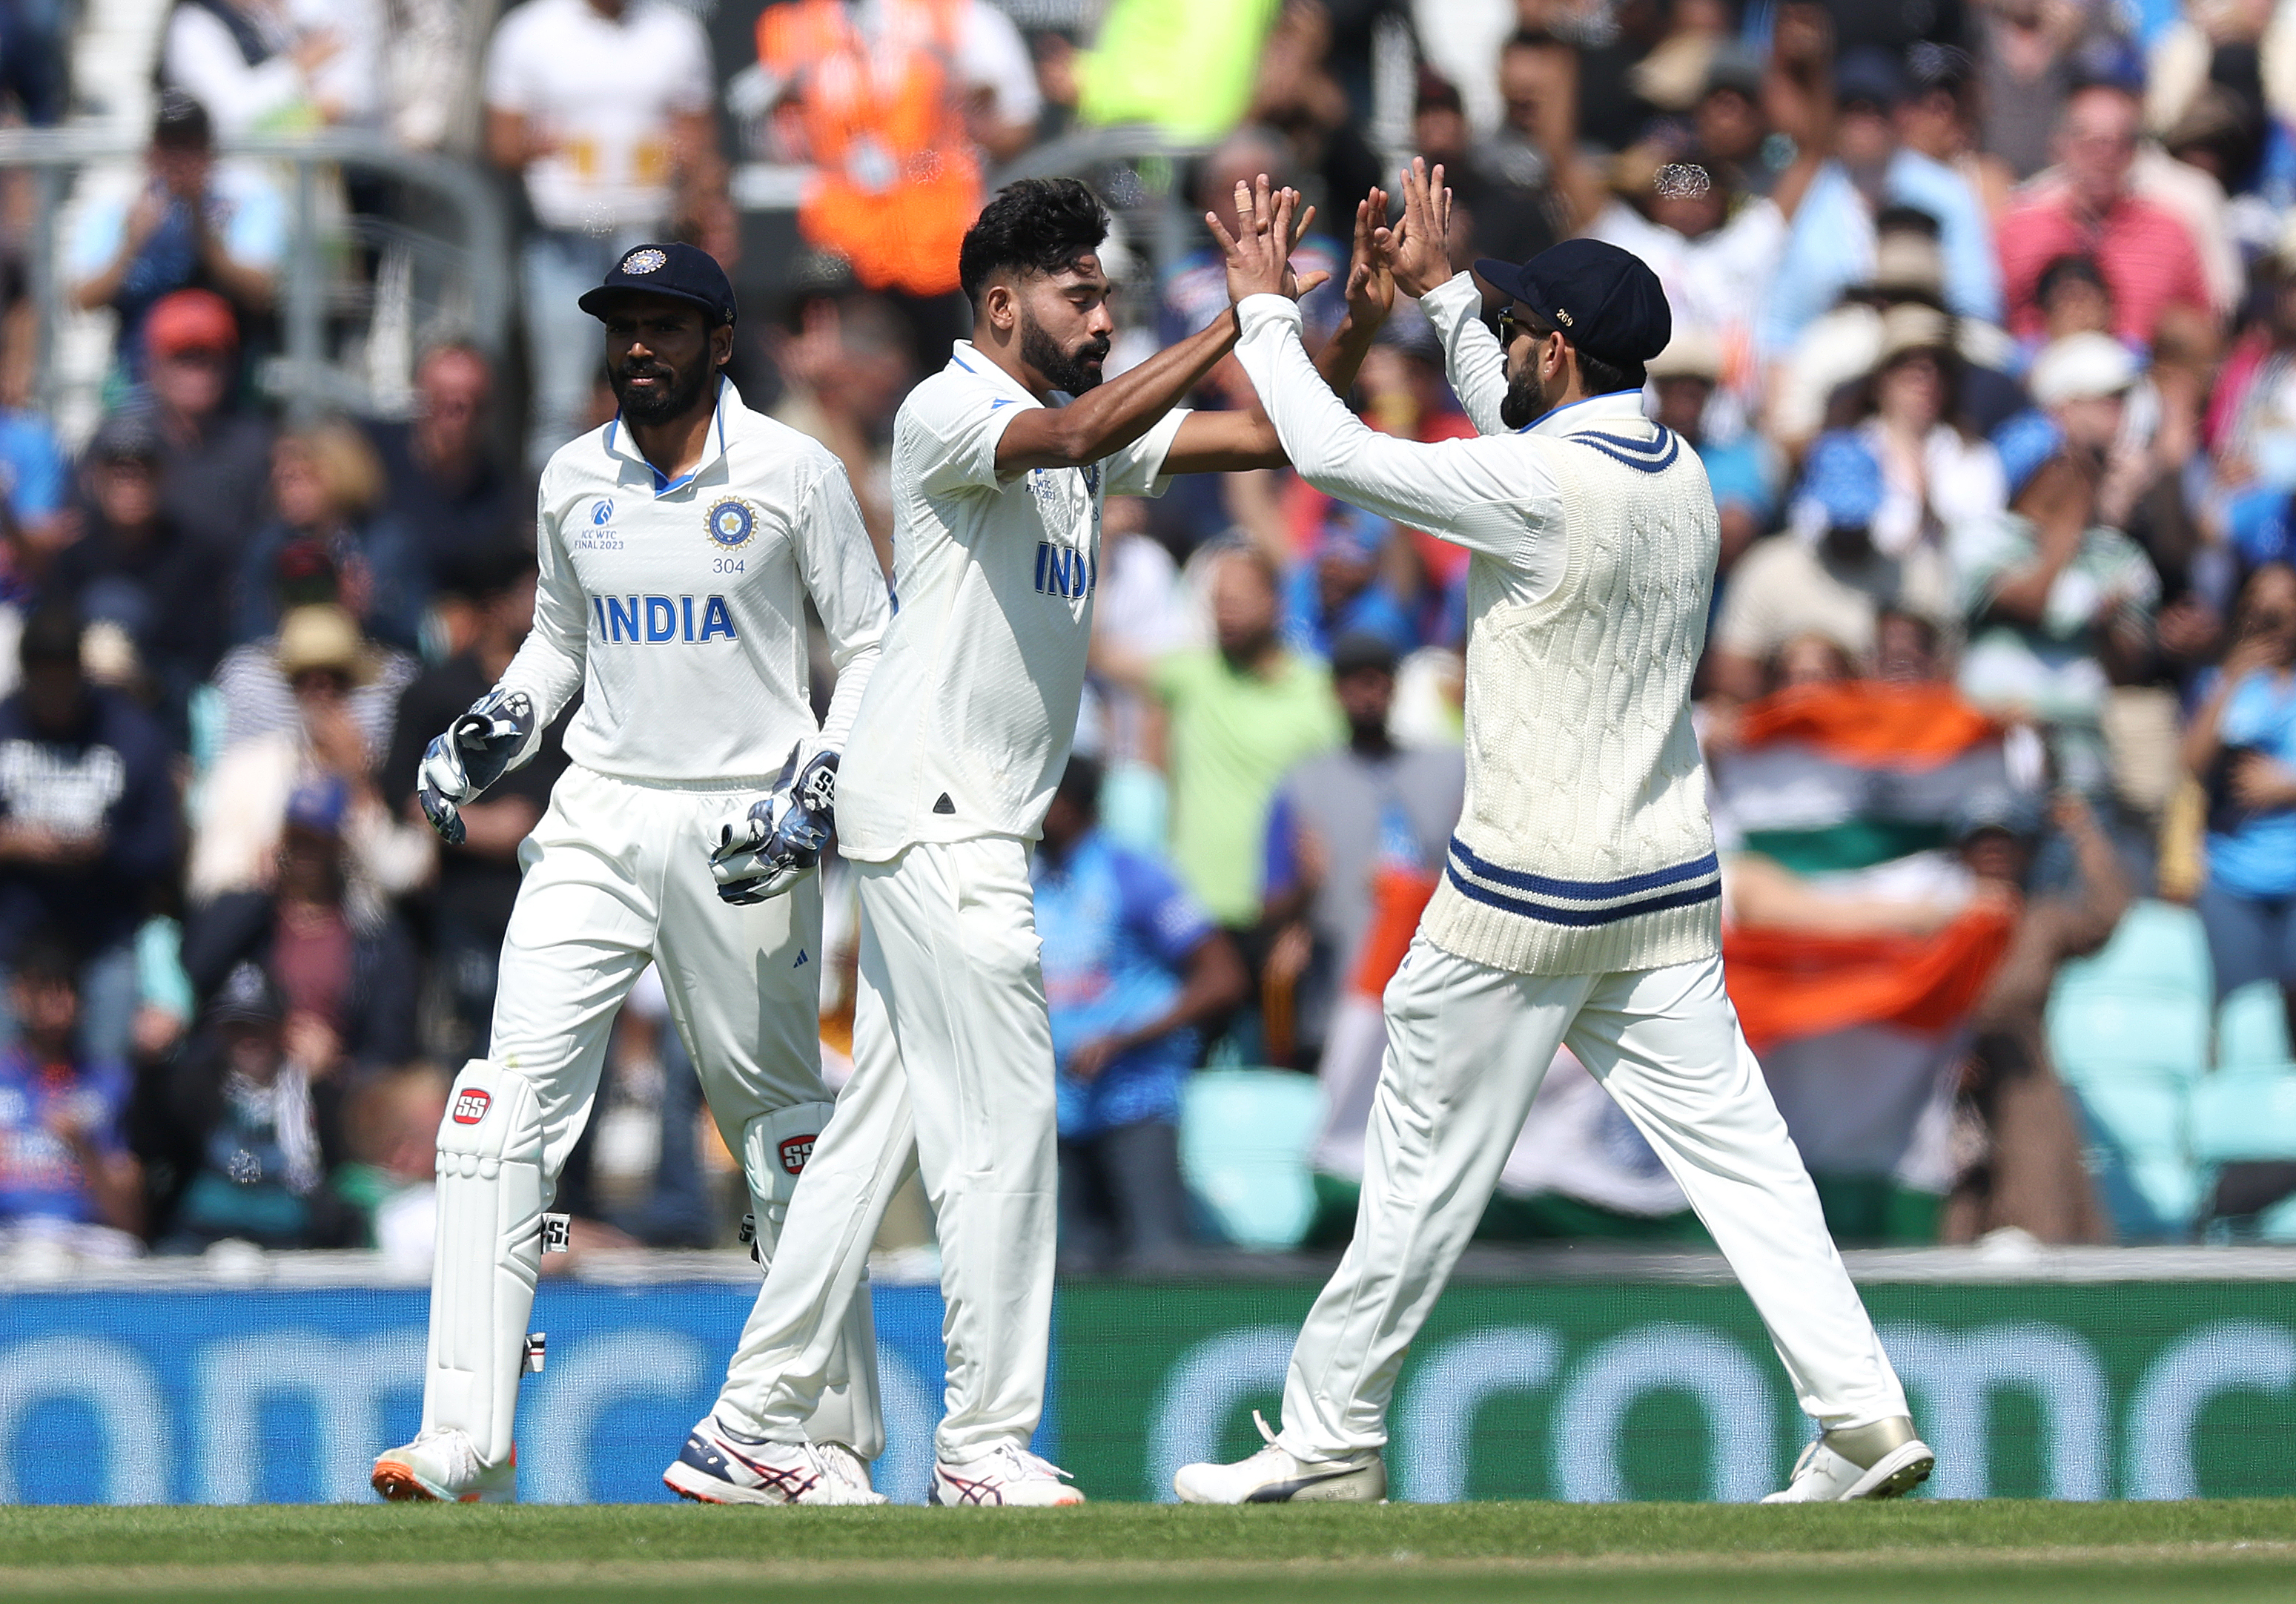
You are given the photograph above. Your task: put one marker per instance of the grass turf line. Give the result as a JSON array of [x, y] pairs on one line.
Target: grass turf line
[[348, 1534]]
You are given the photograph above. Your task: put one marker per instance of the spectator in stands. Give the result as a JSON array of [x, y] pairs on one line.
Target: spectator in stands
[[470, 902], [346, 970], [2143, 251], [2028, 62], [1338, 817], [1938, 471], [2029, 1176], [845, 364], [1242, 714], [1317, 102], [215, 464], [1743, 470], [35, 475], [261, 64], [895, 106], [1824, 575], [2241, 745], [604, 108], [195, 223], [328, 492], [1195, 286], [1133, 968], [87, 824], [256, 696], [1848, 117], [444, 483], [392, 1123], [242, 807], [1342, 589], [2059, 609], [64, 1164], [245, 1130], [133, 567]]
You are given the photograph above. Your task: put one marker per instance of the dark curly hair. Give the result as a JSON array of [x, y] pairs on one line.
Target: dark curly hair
[[1036, 226]]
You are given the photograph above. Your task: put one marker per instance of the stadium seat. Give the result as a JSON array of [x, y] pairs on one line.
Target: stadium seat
[[2253, 1027], [2243, 1113], [2136, 1148], [2142, 1009], [1245, 1140]]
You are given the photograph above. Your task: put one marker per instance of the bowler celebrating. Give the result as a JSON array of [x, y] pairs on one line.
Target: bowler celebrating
[[678, 546], [998, 484], [1580, 903]]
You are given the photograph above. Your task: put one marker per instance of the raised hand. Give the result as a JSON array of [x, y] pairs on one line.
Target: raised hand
[[1371, 275], [1260, 261], [1418, 248]]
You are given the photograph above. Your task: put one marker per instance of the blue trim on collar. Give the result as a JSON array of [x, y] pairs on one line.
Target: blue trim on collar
[[663, 486], [1581, 401]]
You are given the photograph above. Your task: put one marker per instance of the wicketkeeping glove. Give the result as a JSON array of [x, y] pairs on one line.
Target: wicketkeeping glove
[[764, 851], [476, 751]]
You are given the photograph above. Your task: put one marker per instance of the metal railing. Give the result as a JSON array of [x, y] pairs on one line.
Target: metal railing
[[478, 268]]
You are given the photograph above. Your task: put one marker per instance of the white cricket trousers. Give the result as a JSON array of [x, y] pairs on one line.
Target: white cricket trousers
[[1467, 1046], [952, 1075], [616, 875]]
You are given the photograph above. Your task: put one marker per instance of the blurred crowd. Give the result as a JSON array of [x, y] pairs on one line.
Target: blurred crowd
[[1985, 329]]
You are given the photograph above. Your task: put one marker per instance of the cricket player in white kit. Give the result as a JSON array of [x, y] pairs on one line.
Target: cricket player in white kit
[[998, 489], [1580, 903], [678, 546]]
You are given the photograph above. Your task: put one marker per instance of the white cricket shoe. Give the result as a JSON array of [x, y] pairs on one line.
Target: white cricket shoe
[[717, 1467], [1829, 1471], [1277, 1476], [1006, 1474], [443, 1467]]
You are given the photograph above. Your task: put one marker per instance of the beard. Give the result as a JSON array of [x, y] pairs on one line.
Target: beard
[[674, 399], [1062, 370], [1525, 400]]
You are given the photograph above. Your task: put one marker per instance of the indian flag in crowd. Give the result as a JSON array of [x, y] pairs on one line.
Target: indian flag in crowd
[[1859, 789]]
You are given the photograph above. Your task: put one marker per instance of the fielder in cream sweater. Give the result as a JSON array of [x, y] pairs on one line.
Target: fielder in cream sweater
[[1580, 901]]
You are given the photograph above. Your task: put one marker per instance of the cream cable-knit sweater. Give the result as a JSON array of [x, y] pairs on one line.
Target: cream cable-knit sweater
[[1586, 846]]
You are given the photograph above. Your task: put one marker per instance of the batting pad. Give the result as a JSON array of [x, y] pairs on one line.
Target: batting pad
[[774, 1150], [489, 1251]]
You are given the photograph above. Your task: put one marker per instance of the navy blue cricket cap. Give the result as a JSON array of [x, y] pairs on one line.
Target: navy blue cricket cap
[[682, 272], [1606, 301]]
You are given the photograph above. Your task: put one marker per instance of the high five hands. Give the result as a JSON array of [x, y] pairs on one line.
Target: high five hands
[[1418, 248], [1259, 262]]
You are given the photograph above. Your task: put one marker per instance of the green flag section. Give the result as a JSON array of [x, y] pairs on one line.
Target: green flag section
[[1185, 66], [1590, 1390]]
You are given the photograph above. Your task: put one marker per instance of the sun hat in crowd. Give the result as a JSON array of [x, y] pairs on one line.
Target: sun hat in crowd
[[1691, 354], [2081, 367], [320, 637], [1911, 326]]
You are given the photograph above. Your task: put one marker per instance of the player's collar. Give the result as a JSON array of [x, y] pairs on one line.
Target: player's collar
[[1616, 407], [966, 356], [619, 443]]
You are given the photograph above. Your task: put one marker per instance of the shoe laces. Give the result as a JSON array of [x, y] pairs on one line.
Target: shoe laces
[[1030, 1466], [844, 1464]]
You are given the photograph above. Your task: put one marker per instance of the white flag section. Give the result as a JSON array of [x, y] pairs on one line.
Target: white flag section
[[1577, 1141]]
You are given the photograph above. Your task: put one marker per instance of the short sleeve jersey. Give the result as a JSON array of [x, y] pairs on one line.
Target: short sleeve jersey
[[966, 724], [39, 1177]]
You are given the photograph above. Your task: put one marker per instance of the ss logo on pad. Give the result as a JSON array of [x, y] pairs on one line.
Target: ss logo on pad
[[795, 1150], [470, 1107]]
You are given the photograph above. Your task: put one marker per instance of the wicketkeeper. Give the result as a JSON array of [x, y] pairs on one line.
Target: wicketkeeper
[[678, 546]]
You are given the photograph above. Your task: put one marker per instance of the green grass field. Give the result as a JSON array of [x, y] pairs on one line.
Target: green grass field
[[2032, 1553]]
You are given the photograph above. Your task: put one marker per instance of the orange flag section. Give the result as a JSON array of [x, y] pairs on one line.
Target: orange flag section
[[1398, 896], [1871, 724], [1788, 985]]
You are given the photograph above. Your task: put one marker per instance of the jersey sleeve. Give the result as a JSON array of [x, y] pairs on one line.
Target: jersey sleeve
[[1158, 910], [549, 666], [1488, 494], [1138, 470], [848, 589], [955, 430], [1471, 358]]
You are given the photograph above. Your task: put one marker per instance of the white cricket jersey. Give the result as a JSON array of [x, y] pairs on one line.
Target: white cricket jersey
[[677, 606], [966, 726]]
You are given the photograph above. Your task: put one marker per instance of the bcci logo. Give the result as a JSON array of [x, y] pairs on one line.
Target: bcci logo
[[470, 1107], [648, 261], [794, 1151], [602, 511], [731, 522]]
